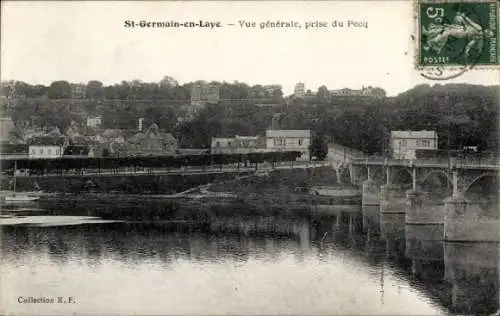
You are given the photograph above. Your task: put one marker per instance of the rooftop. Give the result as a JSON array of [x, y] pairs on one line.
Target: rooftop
[[77, 150], [112, 133], [47, 141], [288, 133], [413, 134], [247, 137]]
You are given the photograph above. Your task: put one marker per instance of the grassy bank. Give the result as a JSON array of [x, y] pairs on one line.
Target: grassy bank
[[280, 181], [126, 184]]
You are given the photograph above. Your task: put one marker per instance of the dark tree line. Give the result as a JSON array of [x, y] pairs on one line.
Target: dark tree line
[[153, 162], [166, 89], [462, 115]]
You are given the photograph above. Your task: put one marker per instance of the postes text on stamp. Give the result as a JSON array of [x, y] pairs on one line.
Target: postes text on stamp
[[457, 34]]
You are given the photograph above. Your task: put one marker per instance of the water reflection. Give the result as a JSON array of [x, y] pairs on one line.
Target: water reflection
[[206, 259], [472, 271]]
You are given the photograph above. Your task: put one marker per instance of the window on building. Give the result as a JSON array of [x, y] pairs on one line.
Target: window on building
[[300, 142], [217, 144], [41, 151], [49, 151], [33, 151], [426, 143], [58, 152]]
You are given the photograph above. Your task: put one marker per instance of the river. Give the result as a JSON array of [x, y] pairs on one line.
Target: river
[[151, 256]]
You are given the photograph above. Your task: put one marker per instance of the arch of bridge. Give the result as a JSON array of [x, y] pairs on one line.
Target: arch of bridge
[[468, 181]]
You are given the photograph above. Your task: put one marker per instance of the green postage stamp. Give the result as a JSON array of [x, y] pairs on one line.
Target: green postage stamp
[[457, 34]]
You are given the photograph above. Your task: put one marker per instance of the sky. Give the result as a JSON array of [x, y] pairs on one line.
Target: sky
[[81, 41]]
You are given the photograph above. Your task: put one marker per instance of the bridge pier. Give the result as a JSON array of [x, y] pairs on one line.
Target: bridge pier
[[391, 201], [370, 193], [465, 221], [419, 212]]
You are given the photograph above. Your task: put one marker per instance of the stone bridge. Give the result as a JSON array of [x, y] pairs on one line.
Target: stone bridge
[[465, 218]]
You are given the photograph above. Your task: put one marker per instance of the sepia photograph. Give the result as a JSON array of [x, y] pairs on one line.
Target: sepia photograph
[[255, 157]]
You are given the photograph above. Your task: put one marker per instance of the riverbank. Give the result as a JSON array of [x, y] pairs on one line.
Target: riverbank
[[282, 181], [122, 183]]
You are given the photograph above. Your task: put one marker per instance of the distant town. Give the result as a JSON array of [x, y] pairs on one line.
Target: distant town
[[79, 128], [165, 118]]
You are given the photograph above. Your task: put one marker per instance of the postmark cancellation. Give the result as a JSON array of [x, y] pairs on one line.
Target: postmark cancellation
[[454, 36]]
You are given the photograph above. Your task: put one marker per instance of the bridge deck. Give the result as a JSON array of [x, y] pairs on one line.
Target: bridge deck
[[488, 163]]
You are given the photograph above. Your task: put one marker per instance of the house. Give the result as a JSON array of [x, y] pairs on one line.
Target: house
[[78, 91], [299, 90], [169, 142], [404, 143], [152, 141], [202, 93], [79, 150], [221, 145], [47, 147], [113, 136], [369, 91], [92, 135], [6, 126], [94, 121], [140, 124], [289, 140], [188, 112], [238, 145]]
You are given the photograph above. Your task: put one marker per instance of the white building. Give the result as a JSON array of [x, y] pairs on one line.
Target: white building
[[46, 147], [289, 140], [404, 143], [140, 124], [204, 93], [222, 145], [6, 126], [300, 90], [238, 145], [94, 121]]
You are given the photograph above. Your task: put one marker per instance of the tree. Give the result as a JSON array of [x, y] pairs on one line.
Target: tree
[[323, 94], [277, 95], [110, 93], [318, 147], [59, 90], [168, 82], [95, 90]]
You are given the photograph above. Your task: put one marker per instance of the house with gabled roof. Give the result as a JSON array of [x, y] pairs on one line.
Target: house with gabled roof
[[79, 151], [47, 147], [152, 141]]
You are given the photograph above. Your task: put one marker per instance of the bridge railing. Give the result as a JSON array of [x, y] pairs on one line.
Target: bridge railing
[[451, 162], [477, 161]]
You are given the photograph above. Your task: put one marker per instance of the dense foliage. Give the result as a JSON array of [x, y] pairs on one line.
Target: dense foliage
[[462, 115], [319, 147]]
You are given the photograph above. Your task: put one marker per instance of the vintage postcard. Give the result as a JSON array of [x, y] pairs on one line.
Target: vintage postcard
[[250, 158]]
